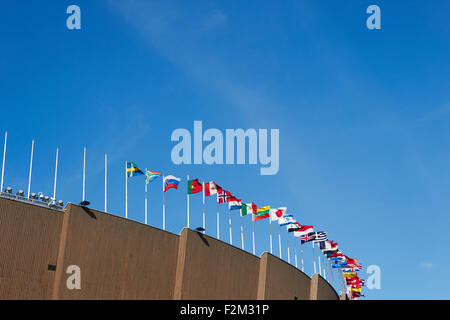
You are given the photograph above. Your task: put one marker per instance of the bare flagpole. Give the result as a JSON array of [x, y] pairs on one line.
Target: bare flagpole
[[106, 182], [31, 168], [4, 160], [56, 175]]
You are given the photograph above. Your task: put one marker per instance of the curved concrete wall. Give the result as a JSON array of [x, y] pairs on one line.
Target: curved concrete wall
[[124, 259]]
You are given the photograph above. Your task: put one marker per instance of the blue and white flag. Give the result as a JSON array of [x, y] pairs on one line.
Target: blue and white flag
[[235, 205], [320, 236], [286, 219]]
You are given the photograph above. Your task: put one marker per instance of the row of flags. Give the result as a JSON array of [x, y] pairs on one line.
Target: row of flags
[[348, 267]]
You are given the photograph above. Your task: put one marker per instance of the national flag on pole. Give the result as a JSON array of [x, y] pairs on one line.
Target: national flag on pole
[[275, 214], [171, 182], [151, 175], [350, 269], [234, 203], [293, 227], [303, 230], [308, 237], [211, 188], [328, 247], [262, 213], [133, 170], [286, 219], [248, 208], [320, 236], [194, 186], [222, 195], [349, 274]]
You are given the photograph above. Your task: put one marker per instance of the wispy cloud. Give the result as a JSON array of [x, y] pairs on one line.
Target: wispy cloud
[[426, 265]]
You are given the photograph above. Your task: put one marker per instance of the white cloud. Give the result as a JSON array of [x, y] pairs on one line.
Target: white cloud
[[426, 265]]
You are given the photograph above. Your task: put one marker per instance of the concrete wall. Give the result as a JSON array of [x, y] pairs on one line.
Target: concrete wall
[[124, 259]]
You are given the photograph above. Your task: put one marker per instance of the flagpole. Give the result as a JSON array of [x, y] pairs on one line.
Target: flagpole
[[270, 231], [146, 197], [84, 172], [324, 267], [301, 252], [253, 231], [287, 242], [188, 202], [31, 167], [229, 220], [218, 234], [279, 240], [56, 175], [204, 217], [295, 252], [242, 235], [164, 205], [4, 160], [314, 255], [318, 258], [106, 182], [126, 191]]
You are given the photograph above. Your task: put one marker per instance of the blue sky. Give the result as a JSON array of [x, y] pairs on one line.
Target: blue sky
[[363, 116]]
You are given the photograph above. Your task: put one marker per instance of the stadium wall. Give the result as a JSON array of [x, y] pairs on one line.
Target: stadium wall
[[124, 259]]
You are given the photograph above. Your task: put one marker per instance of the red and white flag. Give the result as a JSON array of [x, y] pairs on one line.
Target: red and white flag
[[211, 188], [223, 195], [275, 214], [304, 230]]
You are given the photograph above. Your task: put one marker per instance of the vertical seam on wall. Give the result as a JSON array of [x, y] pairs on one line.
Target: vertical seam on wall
[[179, 274], [61, 250]]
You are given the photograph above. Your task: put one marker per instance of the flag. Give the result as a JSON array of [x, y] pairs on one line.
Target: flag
[[234, 203], [350, 269], [222, 195], [211, 188], [275, 214], [293, 227], [303, 230], [262, 213], [328, 247], [286, 219], [151, 175], [320, 236], [352, 262], [132, 170], [248, 208], [194, 186], [349, 274], [308, 237], [171, 182]]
